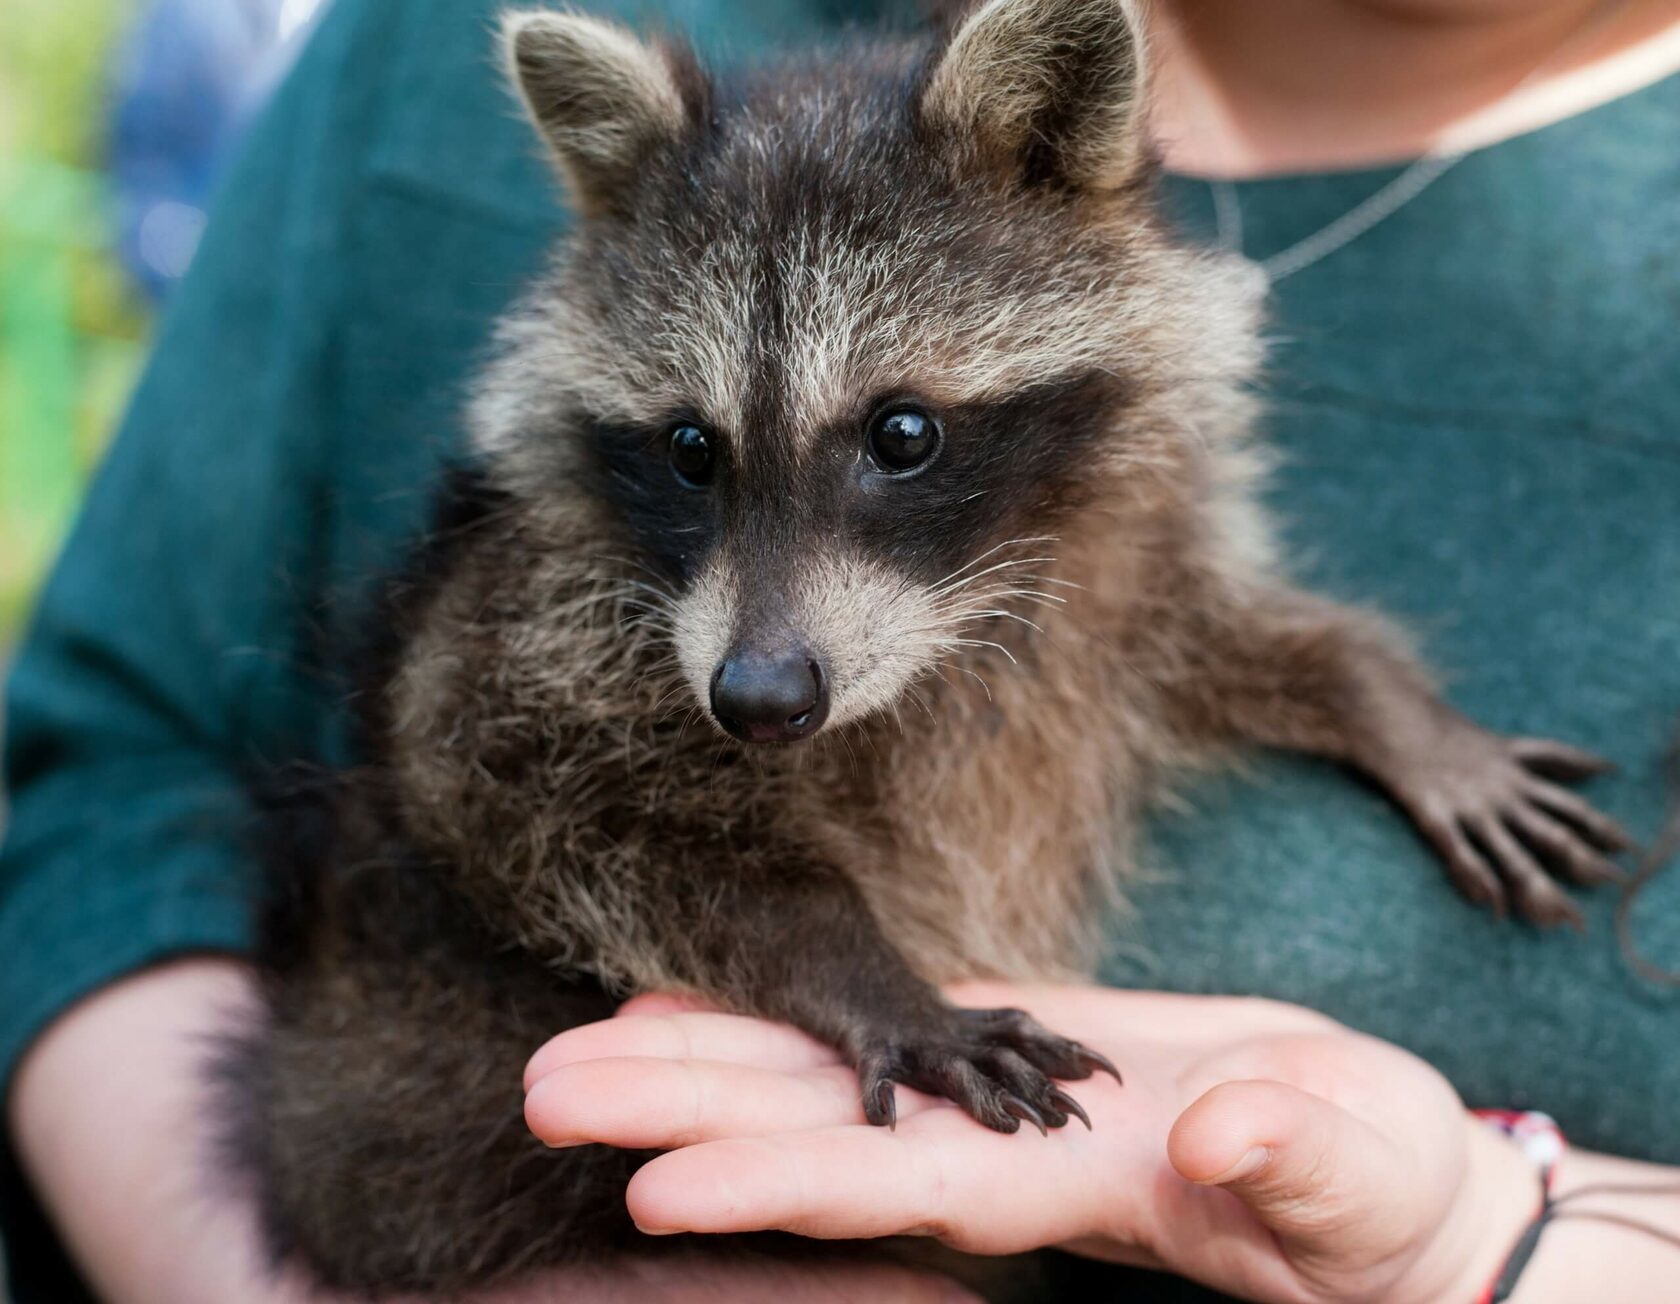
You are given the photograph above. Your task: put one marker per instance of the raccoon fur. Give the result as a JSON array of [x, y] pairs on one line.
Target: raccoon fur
[[862, 522]]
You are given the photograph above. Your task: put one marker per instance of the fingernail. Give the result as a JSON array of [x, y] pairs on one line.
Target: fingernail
[[1247, 1166], [656, 1231]]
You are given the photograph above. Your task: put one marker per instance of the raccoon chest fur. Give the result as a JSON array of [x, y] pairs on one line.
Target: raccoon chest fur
[[541, 748]]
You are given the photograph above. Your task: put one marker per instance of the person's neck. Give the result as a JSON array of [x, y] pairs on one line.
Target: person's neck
[[1246, 88]]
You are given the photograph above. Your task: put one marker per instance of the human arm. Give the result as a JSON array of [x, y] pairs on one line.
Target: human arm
[[1375, 1184], [113, 1122], [1581, 1256], [110, 1117]]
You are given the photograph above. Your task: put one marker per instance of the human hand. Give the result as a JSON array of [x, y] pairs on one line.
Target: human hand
[[1257, 1147]]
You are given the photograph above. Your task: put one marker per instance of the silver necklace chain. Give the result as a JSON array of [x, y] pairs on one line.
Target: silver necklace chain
[[1417, 177]]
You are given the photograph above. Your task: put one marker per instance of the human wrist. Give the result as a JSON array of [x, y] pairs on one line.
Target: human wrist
[[1498, 1196], [1580, 1257], [1604, 1227]]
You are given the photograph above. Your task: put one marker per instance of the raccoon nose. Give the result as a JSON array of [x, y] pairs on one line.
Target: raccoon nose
[[770, 699]]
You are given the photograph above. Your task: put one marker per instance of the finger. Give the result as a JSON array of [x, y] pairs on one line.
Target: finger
[[1538, 898], [1557, 760], [728, 1037], [1604, 832], [709, 1279], [665, 1104], [1090, 1014], [939, 1175], [1308, 1170], [651, 1003], [1563, 848]]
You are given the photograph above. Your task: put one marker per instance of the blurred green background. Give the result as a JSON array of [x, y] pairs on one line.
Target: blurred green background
[[116, 118], [72, 326]]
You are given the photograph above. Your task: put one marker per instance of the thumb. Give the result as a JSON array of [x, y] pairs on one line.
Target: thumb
[[1307, 1169]]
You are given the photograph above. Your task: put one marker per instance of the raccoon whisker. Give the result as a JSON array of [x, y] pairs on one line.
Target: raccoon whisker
[[660, 624], [656, 628], [688, 719], [717, 757], [1051, 579], [648, 610], [948, 588], [975, 613], [668, 695], [659, 579], [656, 596], [665, 674], [1032, 582], [965, 594], [662, 596], [851, 756], [961, 585], [1001, 614], [921, 701], [955, 643], [992, 551], [973, 674], [578, 606], [1038, 594], [636, 591], [1001, 594]]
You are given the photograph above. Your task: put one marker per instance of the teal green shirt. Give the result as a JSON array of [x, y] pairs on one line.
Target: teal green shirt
[[1478, 405]]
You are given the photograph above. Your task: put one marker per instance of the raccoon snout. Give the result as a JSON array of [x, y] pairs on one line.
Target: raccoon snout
[[770, 698]]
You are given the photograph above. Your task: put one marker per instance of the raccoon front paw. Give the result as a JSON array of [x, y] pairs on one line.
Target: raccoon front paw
[[999, 1065], [1496, 811]]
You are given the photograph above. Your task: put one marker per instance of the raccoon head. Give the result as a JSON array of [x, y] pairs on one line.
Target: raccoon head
[[838, 343]]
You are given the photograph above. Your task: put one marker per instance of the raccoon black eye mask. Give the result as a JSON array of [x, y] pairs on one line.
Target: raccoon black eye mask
[[861, 524]]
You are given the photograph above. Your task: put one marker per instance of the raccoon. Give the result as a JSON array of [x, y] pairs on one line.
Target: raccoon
[[861, 525]]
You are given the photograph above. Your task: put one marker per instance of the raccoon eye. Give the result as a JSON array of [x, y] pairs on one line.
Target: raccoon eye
[[901, 439], [692, 457]]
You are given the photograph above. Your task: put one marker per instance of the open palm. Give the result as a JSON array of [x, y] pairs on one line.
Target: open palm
[[1256, 1147]]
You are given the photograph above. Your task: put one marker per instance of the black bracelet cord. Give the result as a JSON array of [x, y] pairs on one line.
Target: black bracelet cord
[[1556, 1210]]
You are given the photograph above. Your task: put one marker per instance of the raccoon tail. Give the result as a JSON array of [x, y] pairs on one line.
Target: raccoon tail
[[372, 1109]]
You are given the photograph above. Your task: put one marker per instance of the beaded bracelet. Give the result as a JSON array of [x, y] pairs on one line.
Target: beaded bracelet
[[1542, 1141]]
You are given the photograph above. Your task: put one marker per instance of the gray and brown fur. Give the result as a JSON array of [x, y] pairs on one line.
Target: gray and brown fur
[[1077, 596]]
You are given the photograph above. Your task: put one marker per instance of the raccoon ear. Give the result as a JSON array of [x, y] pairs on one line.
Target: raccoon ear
[[1050, 89], [600, 97]]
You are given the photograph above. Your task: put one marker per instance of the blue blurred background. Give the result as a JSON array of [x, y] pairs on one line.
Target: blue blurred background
[[116, 119]]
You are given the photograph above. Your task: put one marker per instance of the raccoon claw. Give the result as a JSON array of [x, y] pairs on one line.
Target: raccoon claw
[[1069, 1105], [999, 1065], [1095, 1063], [1060, 1057], [1494, 810], [1026, 1113], [880, 1106]]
